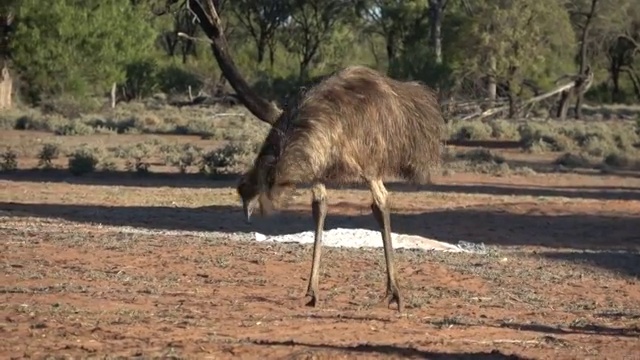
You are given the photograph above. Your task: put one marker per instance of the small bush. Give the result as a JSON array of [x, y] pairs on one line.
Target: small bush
[[174, 79], [619, 160], [504, 130], [234, 157], [471, 130], [74, 128], [572, 161], [9, 160], [47, 154], [9, 119], [543, 137], [141, 79], [181, 157], [31, 122], [137, 158], [481, 156], [70, 107], [597, 146], [83, 161], [108, 165]]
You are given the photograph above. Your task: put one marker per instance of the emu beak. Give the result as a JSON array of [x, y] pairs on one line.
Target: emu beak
[[247, 211]]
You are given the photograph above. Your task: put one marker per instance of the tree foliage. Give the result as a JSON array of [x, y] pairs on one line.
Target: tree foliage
[[78, 47], [470, 47], [516, 40]]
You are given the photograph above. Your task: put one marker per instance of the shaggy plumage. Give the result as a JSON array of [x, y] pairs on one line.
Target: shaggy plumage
[[356, 125]]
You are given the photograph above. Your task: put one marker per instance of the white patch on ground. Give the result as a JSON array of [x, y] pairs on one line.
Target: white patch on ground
[[358, 238], [340, 237]]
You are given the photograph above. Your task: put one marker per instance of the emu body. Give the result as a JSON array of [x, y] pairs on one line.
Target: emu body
[[356, 125]]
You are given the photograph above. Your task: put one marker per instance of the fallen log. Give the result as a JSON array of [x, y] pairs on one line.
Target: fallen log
[[533, 100], [489, 144]]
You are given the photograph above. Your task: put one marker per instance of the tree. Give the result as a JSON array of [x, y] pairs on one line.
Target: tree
[[399, 22], [514, 42], [311, 25], [262, 19], [619, 40], [601, 27], [7, 26], [80, 47]]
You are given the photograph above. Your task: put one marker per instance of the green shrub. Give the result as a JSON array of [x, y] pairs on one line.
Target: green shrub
[[9, 160], [141, 79], [70, 107], [173, 79], [620, 160], [47, 154], [471, 130], [233, 158], [30, 122], [504, 130], [481, 156], [83, 161], [544, 137], [74, 128], [137, 158], [108, 164], [181, 157], [571, 160]]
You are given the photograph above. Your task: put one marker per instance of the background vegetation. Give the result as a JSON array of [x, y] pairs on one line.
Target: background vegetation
[[78, 48], [66, 57]]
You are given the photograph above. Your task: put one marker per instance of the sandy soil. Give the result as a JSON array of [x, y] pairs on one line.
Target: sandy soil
[[560, 279]]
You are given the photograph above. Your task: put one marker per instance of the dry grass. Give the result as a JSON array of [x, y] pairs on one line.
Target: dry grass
[[152, 137], [144, 269]]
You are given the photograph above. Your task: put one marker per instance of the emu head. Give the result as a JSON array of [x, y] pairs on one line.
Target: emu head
[[256, 187]]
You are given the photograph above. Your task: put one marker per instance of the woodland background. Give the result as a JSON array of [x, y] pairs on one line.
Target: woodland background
[[77, 49]]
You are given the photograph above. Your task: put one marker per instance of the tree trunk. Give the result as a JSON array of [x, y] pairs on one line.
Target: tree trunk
[[615, 79], [391, 49], [583, 57], [436, 8], [512, 105], [563, 105], [492, 85], [262, 45], [114, 89], [6, 86], [635, 81]]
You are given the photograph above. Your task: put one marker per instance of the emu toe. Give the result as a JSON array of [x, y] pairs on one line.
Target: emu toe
[[314, 299], [393, 296]]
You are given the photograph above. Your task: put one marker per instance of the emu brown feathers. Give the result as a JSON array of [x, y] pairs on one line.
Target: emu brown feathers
[[356, 125]]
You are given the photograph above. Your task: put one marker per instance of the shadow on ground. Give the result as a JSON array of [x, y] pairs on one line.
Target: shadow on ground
[[391, 350], [625, 263], [589, 329], [475, 225], [223, 181]]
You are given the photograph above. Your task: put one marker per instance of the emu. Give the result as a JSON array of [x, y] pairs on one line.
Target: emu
[[356, 125]]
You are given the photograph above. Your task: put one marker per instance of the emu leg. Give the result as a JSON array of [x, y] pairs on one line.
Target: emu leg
[[319, 210], [380, 208]]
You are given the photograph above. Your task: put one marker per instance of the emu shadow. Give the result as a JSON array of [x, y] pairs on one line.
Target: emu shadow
[[391, 350]]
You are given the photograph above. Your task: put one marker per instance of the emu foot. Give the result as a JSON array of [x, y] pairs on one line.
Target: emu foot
[[393, 296], [314, 298]]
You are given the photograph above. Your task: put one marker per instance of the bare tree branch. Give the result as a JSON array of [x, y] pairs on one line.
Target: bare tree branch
[[207, 15]]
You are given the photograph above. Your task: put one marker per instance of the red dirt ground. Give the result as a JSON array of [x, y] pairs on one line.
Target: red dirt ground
[[78, 282]]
